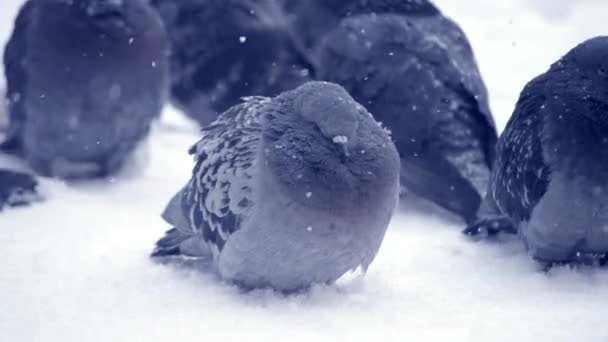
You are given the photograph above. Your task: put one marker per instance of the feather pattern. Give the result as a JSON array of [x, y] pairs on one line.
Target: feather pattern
[[219, 193]]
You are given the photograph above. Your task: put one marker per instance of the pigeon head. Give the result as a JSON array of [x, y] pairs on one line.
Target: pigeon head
[[362, 38], [331, 109], [585, 73], [101, 27], [99, 16], [95, 8], [371, 56], [591, 55], [591, 59], [326, 149]]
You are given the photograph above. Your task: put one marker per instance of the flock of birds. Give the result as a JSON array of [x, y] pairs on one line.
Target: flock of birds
[[316, 116]]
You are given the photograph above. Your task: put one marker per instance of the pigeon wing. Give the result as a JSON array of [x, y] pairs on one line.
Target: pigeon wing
[[521, 175], [219, 193], [449, 122], [447, 52], [210, 207]]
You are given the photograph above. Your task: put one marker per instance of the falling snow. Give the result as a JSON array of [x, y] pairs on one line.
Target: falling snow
[[76, 268]]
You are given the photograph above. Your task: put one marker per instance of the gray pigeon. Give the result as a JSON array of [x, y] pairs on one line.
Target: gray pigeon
[[416, 73], [17, 189], [549, 180], [288, 191], [226, 49], [85, 80]]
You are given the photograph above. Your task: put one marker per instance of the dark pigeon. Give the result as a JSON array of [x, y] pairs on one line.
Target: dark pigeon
[[549, 180], [17, 189], [287, 191], [313, 19], [85, 80], [226, 49], [416, 73]]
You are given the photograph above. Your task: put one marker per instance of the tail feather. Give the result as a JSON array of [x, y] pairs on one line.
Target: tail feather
[[170, 244], [17, 189], [11, 145], [437, 180], [177, 243], [182, 239], [174, 213]]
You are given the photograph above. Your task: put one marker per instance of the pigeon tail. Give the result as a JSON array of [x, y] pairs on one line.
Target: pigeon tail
[[174, 213], [435, 179], [178, 243], [169, 245], [181, 240], [17, 189]]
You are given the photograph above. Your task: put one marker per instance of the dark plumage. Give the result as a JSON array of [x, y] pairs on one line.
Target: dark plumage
[[549, 180], [288, 191], [313, 19], [85, 80], [17, 188], [414, 70], [226, 49]]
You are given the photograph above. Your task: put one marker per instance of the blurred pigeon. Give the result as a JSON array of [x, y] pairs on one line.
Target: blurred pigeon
[[313, 19], [17, 189], [288, 191], [416, 74], [549, 180], [85, 80], [226, 49]]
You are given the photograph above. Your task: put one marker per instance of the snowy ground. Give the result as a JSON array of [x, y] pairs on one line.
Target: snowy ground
[[76, 268]]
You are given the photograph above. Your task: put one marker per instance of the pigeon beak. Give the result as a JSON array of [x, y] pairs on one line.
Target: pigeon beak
[[342, 140]]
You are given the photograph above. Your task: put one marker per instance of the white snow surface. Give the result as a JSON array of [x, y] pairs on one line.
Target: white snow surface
[[76, 267]]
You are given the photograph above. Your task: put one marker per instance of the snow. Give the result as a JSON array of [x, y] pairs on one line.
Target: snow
[[76, 268]]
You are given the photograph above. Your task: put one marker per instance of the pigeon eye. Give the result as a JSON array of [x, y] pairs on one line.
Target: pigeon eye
[[602, 72]]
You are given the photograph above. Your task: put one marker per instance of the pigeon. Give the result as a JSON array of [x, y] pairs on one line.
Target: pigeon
[[85, 80], [17, 189], [416, 73], [548, 184], [288, 191], [226, 49], [313, 19]]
